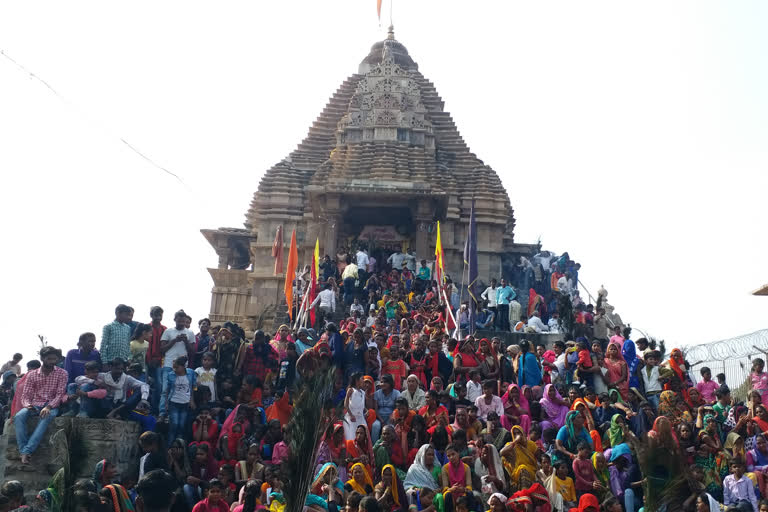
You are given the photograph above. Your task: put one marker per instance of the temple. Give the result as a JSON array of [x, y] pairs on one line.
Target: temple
[[381, 165]]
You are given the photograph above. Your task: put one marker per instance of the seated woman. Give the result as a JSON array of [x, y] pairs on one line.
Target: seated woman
[[205, 429], [517, 411], [361, 480], [251, 468], [519, 458], [456, 479], [489, 469], [388, 451], [424, 473], [327, 484], [433, 412], [389, 491], [359, 450], [553, 408]]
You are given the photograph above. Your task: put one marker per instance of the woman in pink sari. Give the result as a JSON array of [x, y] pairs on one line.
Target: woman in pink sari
[[617, 369], [517, 411], [553, 407]]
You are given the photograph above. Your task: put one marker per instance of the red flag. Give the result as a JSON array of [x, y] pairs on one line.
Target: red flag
[[290, 273], [277, 250]]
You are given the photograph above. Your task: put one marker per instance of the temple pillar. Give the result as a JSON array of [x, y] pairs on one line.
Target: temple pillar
[[331, 235]]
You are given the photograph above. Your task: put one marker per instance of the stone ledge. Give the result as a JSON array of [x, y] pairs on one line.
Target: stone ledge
[[88, 440]]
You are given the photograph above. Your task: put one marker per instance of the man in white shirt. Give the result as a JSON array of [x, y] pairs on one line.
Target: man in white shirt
[[410, 259], [356, 306], [396, 259], [348, 277], [362, 259], [490, 295], [327, 301], [176, 341], [554, 322], [536, 322]]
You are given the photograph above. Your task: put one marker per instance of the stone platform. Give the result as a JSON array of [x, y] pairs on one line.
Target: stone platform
[[84, 442]]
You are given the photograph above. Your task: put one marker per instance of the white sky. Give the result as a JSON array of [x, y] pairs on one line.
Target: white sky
[[632, 135]]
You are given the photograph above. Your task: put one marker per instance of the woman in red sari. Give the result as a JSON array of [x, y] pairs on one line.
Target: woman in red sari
[[618, 374], [678, 365], [360, 449], [433, 412], [464, 359]]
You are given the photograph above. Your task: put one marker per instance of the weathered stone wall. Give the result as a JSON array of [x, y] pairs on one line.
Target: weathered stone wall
[[88, 440]]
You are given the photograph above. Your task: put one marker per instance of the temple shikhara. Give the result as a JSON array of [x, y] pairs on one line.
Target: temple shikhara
[[381, 165]]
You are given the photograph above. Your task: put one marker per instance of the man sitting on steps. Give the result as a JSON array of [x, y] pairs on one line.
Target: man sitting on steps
[[44, 390]]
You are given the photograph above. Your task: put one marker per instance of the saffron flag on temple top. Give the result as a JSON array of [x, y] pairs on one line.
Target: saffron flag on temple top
[[313, 273], [470, 259], [277, 250], [290, 273], [378, 9]]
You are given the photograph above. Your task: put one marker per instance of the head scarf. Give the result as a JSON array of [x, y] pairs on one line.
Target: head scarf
[[535, 495], [370, 380], [614, 393], [522, 401], [730, 442], [586, 501], [418, 474], [498, 496], [353, 483], [618, 350], [321, 474], [336, 449], [713, 504], [121, 502], [621, 450], [393, 484], [615, 434], [602, 474], [317, 501], [555, 412], [98, 473], [525, 455]]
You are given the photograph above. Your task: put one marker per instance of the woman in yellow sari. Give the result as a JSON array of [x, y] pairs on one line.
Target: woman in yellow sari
[[360, 481], [519, 458]]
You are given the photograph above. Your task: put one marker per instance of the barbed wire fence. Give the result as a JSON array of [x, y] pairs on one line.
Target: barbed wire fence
[[732, 357]]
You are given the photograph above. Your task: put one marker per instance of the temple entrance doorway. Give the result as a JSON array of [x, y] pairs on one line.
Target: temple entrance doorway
[[381, 230]]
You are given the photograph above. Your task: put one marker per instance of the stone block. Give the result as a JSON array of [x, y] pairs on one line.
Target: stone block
[[89, 441]]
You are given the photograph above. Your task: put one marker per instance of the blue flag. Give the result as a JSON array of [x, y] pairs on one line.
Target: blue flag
[[470, 259]]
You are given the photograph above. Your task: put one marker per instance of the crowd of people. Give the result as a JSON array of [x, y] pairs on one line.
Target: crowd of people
[[428, 422]]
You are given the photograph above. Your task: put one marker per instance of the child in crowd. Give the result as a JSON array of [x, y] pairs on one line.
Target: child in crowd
[[206, 374], [759, 378], [564, 485], [140, 345], [707, 386], [583, 471], [214, 500], [474, 386]]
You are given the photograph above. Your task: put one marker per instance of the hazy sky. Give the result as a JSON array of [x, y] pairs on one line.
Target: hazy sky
[[633, 135]]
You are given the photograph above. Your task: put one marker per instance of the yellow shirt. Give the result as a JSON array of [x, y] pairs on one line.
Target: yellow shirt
[[566, 488]]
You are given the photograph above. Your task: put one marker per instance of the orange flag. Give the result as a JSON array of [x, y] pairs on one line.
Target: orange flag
[[378, 10], [290, 273]]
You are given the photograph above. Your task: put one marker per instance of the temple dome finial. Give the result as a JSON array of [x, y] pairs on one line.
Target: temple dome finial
[[391, 33]]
